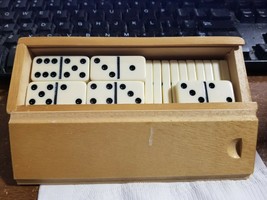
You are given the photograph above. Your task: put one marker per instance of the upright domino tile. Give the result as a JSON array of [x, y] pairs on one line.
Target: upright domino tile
[[149, 82], [56, 92], [224, 69], [166, 82], [191, 69], [175, 76], [216, 70], [200, 70], [208, 70], [67, 68], [183, 70], [111, 68], [115, 92], [157, 89]]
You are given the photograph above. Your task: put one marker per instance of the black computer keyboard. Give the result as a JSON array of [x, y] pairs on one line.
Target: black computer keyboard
[[135, 18]]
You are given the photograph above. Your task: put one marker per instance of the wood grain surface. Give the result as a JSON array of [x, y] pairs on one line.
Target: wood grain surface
[[8, 188]]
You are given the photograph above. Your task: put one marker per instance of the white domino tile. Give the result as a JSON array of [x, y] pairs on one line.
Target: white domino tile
[[200, 70], [112, 68], [130, 92], [101, 92], [190, 92], [175, 76], [71, 92], [216, 70], [191, 69], [183, 70], [149, 82], [41, 93], [45, 68], [75, 68], [220, 91], [60, 68], [157, 89], [115, 92], [166, 82], [208, 70], [225, 74], [56, 92]]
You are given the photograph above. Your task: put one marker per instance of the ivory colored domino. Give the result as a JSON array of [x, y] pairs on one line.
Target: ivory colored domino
[[183, 70], [225, 74], [166, 82], [216, 70], [157, 89], [200, 70], [208, 70], [175, 77], [149, 82], [191, 68]]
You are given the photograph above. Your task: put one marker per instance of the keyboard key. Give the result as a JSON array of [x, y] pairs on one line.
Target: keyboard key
[[70, 5], [220, 14], [154, 4], [8, 17], [199, 13], [26, 16], [261, 51], [131, 15], [5, 4], [209, 25], [153, 26], [20, 5], [148, 14], [135, 26], [53, 4], [261, 15], [95, 15], [189, 4], [27, 28], [246, 15], [87, 5], [37, 5], [43, 16], [81, 27], [183, 13], [164, 14], [78, 15], [137, 4], [60, 16], [117, 26], [63, 27], [99, 27], [11, 40], [113, 15], [44, 27], [104, 5], [121, 5], [9, 28]]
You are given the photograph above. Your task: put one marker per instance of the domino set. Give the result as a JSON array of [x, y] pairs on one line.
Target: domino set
[[188, 115], [126, 80]]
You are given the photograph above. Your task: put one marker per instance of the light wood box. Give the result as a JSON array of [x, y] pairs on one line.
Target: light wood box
[[150, 142]]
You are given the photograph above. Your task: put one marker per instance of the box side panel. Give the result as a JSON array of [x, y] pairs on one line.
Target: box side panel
[[132, 151], [20, 78], [239, 75]]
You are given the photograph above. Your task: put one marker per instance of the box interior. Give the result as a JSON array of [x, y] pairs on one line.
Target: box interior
[[25, 55]]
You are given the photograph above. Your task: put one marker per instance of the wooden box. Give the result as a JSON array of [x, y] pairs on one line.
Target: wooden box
[[148, 142]]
